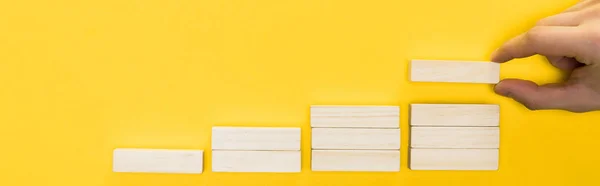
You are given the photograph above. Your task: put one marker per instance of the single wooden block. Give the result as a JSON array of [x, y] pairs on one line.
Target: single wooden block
[[455, 71], [455, 137], [157, 161], [356, 160], [476, 115], [355, 138], [256, 161], [355, 116], [454, 159], [255, 138]]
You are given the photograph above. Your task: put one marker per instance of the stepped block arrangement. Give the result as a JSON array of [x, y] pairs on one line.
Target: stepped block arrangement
[[353, 138]]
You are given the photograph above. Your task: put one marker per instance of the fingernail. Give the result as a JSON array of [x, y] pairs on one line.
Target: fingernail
[[494, 52], [493, 56], [501, 91], [504, 93]]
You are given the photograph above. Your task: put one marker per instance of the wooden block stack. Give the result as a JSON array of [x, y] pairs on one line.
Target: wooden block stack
[[454, 137], [255, 149], [355, 138]]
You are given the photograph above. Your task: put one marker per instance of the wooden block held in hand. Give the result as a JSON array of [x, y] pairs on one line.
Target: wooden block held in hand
[[256, 161], [455, 137], [475, 115], [356, 160], [255, 138], [158, 161], [454, 71], [355, 116], [355, 138], [454, 159]]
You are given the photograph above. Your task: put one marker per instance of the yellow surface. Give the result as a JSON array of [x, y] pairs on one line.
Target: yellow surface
[[79, 78]]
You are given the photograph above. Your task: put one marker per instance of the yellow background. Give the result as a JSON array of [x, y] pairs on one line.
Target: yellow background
[[80, 78]]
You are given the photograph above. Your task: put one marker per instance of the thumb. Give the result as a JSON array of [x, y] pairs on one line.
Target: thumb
[[534, 97]]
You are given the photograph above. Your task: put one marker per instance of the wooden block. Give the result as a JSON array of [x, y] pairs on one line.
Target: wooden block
[[454, 71], [355, 138], [355, 116], [256, 161], [255, 138], [476, 115], [157, 161], [455, 137], [356, 160], [454, 159]]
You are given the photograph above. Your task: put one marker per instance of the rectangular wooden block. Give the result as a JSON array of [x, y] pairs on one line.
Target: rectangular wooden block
[[255, 138], [256, 161], [355, 116], [355, 138], [455, 137], [455, 71], [158, 161], [454, 159], [356, 160], [476, 115]]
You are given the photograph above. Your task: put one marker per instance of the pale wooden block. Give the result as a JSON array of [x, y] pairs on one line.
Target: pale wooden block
[[476, 115], [455, 137], [454, 159], [455, 71], [158, 161], [355, 138], [256, 161], [356, 160], [355, 116], [255, 138]]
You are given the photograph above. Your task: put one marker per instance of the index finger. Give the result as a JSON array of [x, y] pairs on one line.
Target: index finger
[[544, 40]]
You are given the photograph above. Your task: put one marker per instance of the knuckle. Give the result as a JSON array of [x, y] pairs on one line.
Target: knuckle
[[592, 44], [593, 36], [590, 13], [591, 2], [587, 99], [534, 35]]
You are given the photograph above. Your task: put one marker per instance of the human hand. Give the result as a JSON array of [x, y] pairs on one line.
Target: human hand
[[571, 42]]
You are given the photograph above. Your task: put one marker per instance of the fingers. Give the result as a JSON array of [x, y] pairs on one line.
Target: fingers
[[552, 96], [563, 19], [544, 40], [564, 63], [581, 5]]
